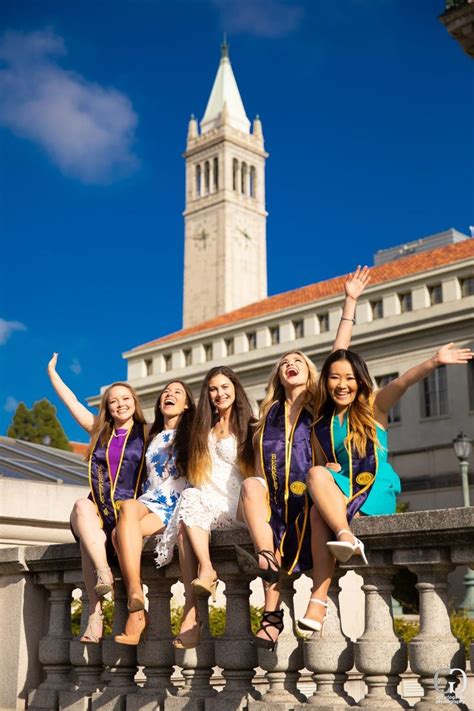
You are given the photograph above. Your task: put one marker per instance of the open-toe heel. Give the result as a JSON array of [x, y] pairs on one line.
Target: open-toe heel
[[136, 602], [134, 639], [270, 618], [249, 565], [191, 641], [105, 581], [205, 586], [306, 623], [94, 631], [344, 550]]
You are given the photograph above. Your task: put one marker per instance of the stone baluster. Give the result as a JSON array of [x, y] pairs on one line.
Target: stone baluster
[[283, 665], [119, 660], [434, 648], [379, 654], [196, 664], [234, 653], [86, 659], [54, 647], [156, 652], [329, 656]]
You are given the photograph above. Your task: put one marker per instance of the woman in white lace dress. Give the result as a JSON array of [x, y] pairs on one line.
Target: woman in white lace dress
[[166, 460], [220, 456]]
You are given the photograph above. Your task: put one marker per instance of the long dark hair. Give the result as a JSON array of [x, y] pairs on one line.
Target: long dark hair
[[241, 426], [361, 416], [180, 446]]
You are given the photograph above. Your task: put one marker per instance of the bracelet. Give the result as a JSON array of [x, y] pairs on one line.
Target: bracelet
[[345, 318]]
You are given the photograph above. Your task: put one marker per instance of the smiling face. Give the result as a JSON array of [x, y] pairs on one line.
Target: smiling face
[[293, 371], [342, 384], [221, 393], [173, 400], [121, 405]]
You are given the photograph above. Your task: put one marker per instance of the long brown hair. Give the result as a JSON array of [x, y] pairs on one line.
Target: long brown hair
[[241, 426], [275, 392], [104, 422], [180, 446], [360, 415]]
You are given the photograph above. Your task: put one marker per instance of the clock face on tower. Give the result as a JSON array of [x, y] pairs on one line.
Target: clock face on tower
[[244, 235], [201, 239]]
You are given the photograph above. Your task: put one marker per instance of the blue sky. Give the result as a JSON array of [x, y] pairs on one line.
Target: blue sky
[[367, 112]]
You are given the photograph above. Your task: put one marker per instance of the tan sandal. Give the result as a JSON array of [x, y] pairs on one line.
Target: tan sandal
[[105, 581], [191, 641], [94, 632]]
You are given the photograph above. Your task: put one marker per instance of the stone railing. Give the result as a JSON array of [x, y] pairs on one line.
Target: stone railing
[[43, 667]]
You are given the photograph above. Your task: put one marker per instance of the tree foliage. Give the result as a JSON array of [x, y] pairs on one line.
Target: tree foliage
[[38, 424]]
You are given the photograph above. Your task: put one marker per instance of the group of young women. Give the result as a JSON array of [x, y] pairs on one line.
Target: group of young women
[[315, 458]]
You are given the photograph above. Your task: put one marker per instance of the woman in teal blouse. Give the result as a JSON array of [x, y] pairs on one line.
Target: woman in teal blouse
[[352, 475]]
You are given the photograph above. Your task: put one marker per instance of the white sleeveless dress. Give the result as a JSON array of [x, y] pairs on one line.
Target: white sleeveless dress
[[211, 506]]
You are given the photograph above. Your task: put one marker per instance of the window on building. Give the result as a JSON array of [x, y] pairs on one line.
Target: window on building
[[275, 335], [235, 171], [434, 394], [188, 356], [323, 322], [167, 362], [148, 366], [243, 179], [229, 346], [207, 177], [470, 381], [467, 286], [208, 351], [299, 328], [406, 302], [383, 380], [198, 181], [215, 174], [436, 294], [252, 181], [377, 309], [252, 340]]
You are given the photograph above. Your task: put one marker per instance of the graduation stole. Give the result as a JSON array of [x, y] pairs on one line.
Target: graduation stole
[[107, 494], [362, 470], [286, 455]]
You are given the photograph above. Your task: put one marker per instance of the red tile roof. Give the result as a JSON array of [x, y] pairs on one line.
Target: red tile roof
[[397, 269], [79, 447]]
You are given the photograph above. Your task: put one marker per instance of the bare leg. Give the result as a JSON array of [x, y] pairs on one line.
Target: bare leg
[[199, 540], [329, 500], [323, 564], [189, 570], [253, 510], [86, 525], [135, 522]]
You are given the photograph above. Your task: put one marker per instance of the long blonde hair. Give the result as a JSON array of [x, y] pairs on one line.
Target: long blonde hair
[[275, 392], [104, 422], [360, 415], [241, 426]]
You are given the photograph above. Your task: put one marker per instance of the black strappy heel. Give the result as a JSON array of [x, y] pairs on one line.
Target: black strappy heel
[[249, 566], [270, 618]]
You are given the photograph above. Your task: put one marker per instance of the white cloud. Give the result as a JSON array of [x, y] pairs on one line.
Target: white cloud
[[10, 404], [264, 18], [75, 366], [86, 129], [7, 328]]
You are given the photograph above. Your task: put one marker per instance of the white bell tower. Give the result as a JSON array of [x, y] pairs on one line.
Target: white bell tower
[[225, 262]]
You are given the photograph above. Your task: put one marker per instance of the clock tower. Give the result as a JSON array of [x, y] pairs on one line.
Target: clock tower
[[225, 263]]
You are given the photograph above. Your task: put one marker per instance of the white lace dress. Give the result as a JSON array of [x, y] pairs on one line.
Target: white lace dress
[[213, 505]]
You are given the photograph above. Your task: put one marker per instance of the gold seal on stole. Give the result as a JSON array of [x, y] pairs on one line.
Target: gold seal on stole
[[364, 478], [298, 488]]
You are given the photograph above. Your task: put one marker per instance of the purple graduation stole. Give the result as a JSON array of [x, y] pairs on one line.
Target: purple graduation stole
[[106, 494], [362, 470], [286, 455]]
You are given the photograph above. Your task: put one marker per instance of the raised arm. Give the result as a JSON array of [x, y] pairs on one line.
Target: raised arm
[[353, 288], [386, 397], [81, 414]]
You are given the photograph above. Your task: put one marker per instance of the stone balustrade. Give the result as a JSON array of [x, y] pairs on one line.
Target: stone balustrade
[[43, 667]]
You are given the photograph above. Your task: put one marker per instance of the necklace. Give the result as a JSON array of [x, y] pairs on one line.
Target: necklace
[[119, 434]]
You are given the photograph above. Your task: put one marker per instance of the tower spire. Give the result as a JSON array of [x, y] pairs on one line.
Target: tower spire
[[224, 46], [225, 91]]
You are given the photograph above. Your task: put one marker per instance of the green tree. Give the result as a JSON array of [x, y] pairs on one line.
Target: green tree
[[39, 425]]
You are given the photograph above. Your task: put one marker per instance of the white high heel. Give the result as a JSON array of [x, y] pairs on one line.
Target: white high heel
[[344, 550], [305, 623]]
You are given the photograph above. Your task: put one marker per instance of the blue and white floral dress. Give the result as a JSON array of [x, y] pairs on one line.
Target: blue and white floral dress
[[163, 487]]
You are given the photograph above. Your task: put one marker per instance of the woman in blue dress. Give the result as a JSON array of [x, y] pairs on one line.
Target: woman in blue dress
[[352, 475], [166, 460]]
